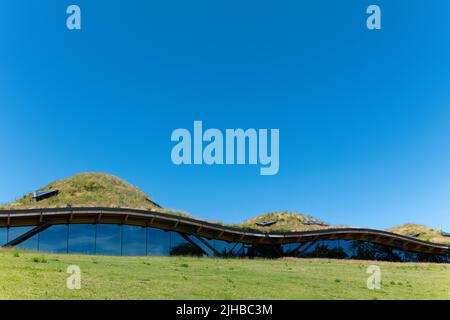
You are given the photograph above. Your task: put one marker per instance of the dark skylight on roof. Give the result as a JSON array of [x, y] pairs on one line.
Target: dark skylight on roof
[[41, 195], [266, 223]]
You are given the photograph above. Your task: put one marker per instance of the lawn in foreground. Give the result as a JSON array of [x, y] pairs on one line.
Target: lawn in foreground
[[29, 275]]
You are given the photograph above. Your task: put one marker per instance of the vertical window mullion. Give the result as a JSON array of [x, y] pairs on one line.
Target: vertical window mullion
[[95, 239], [121, 240], [67, 249], [146, 241]]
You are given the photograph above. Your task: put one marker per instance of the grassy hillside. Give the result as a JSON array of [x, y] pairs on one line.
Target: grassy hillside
[[27, 275], [425, 233], [285, 221], [89, 190]]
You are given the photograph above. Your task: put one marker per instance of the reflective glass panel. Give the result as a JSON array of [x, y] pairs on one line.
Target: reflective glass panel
[[181, 247], [15, 232], [158, 242], [223, 247], [108, 240], [54, 239], [30, 244], [134, 241], [82, 238], [3, 235]]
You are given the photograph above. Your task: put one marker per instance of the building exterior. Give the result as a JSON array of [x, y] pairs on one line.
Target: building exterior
[[129, 232]]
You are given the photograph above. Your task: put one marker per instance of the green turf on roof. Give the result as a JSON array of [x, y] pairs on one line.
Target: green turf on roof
[[425, 233], [88, 190], [285, 222]]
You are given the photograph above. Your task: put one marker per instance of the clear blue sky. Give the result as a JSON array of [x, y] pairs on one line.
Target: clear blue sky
[[364, 116]]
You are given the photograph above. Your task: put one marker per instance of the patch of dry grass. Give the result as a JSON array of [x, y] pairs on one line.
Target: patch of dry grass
[[88, 190], [425, 233], [285, 222]]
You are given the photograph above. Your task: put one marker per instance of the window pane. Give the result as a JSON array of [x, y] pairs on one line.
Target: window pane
[[3, 236], [288, 247], [158, 242], [15, 232], [238, 250], [109, 238], [328, 249], [223, 247], [133, 243], [54, 239], [82, 238], [196, 251], [179, 246], [30, 244]]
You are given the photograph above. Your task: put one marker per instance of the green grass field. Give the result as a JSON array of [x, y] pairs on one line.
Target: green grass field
[[29, 275]]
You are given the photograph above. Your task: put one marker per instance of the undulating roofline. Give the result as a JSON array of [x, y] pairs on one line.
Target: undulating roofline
[[45, 217]]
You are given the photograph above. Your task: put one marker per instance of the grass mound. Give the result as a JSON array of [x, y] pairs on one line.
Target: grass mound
[[285, 222], [424, 233], [88, 190]]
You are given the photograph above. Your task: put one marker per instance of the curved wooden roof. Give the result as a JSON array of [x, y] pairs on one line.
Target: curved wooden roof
[[55, 216]]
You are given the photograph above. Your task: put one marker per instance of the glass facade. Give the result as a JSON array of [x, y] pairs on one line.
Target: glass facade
[[134, 241], [82, 238], [110, 239], [361, 250], [158, 242], [54, 239], [29, 244], [102, 239], [3, 236]]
